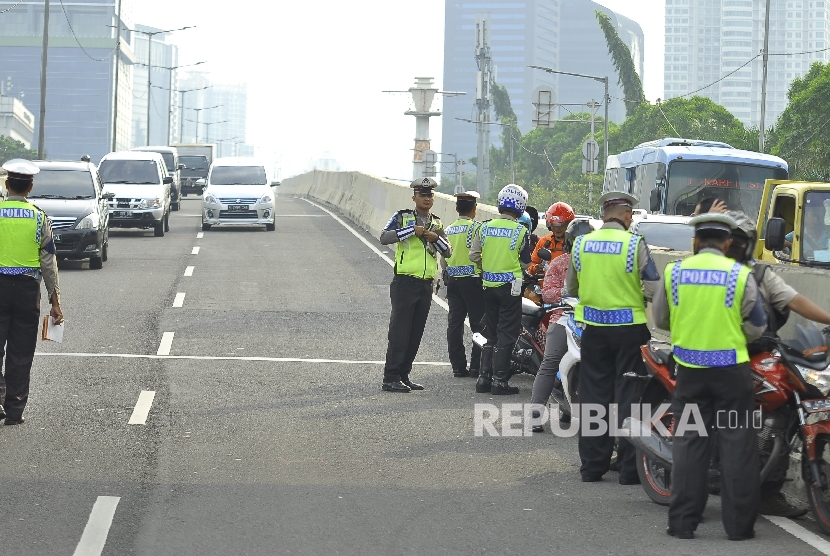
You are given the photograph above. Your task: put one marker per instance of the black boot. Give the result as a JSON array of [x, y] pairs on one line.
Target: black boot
[[501, 373], [459, 373], [485, 378], [473, 373]]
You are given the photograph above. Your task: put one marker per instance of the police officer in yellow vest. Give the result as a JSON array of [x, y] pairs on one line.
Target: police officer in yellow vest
[[419, 237], [610, 271], [712, 307], [502, 249], [465, 295], [27, 253]]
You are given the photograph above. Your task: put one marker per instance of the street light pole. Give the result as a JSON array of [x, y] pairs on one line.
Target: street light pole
[[761, 134], [117, 64], [42, 122], [198, 110]]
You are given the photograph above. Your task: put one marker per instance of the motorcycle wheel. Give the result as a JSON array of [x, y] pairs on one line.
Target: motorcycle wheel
[[819, 498], [655, 476]]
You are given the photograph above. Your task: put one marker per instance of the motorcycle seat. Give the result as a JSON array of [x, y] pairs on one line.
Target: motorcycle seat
[[661, 351], [531, 309]]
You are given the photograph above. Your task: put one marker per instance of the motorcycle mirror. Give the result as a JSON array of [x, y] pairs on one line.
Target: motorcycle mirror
[[544, 254]]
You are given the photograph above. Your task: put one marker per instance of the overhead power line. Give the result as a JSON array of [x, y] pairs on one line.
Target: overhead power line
[[117, 39], [13, 7]]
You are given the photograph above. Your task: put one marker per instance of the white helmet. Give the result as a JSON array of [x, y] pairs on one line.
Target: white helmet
[[514, 198]]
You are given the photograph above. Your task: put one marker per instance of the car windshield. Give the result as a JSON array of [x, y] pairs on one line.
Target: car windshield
[[815, 236], [238, 175], [129, 171], [739, 185], [168, 161], [671, 235], [194, 162], [63, 184]]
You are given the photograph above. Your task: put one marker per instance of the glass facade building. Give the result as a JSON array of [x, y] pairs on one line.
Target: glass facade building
[[80, 85], [162, 89], [226, 126], [710, 41], [560, 34]]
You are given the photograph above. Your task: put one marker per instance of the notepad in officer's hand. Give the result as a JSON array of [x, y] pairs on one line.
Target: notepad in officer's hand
[[52, 331]]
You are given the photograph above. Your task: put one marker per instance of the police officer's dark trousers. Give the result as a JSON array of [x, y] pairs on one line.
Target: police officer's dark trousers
[[608, 352], [19, 317], [411, 299], [465, 297], [503, 317], [720, 394]]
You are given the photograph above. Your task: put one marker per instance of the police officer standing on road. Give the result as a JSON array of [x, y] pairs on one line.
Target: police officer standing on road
[[420, 238], [610, 270], [27, 252], [502, 249], [712, 307], [465, 295]]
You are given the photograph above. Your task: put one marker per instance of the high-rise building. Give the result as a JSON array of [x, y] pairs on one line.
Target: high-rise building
[[162, 87], [81, 76], [711, 48], [226, 124], [559, 34]]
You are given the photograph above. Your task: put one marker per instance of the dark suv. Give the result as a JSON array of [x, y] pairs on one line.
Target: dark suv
[[70, 195]]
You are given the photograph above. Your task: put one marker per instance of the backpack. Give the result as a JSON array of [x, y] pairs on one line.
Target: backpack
[[775, 319]]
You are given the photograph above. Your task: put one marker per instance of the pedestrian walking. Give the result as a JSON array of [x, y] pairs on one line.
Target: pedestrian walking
[[711, 305], [27, 254], [502, 249], [419, 237], [610, 271], [465, 294]]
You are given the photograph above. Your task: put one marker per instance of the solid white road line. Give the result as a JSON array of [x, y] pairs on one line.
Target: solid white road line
[[788, 525], [142, 408], [300, 215], [440, 302], [189, 271], [195, 251], [200, 235], [166, 343], [179, 300], [97, 527], [231, 358]]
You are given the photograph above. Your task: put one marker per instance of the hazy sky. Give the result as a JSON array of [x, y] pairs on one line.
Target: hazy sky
[[315, 70]]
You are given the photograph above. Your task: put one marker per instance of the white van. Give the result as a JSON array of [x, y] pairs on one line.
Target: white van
[[141, 186], [238, 192]]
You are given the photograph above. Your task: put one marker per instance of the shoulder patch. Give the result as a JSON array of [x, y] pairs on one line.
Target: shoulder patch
[[406, 211]]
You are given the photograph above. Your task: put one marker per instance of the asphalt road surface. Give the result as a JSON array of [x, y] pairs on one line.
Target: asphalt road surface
[[228, 402]]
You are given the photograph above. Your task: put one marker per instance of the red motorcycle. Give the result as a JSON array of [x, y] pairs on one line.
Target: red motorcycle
[[792, 383]]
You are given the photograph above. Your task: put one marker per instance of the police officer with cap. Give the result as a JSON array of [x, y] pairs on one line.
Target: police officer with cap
[[419, 237], [27, 253], [465, 295], [712, 307], [610, 271]]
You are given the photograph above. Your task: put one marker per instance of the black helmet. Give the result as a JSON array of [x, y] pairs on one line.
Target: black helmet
[[575, 229]]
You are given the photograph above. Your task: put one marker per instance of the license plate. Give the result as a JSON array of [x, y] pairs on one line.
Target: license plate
[[57, 237], [122, 214], [237, 208]]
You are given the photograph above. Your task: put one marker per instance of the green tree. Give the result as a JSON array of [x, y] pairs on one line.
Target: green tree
[[800, 135], [621, 58], [10, 148]]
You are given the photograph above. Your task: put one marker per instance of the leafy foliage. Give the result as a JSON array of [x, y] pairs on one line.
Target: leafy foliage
[[621, 58], [11, 148]]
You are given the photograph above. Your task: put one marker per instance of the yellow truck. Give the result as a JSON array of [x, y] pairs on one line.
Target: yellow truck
[[794, 223]]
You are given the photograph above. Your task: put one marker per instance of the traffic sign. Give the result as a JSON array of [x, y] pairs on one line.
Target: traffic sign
[[590, 149]]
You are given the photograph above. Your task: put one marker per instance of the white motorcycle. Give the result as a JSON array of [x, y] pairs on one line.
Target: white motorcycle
[[569, 366]]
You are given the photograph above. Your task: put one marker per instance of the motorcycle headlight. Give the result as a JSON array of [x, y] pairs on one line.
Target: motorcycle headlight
[[265, 199], [89, 222], [211, 200], [819, 379], [149, 203]]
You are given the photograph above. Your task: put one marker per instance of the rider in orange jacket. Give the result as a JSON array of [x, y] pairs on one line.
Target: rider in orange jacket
[[557, 218]]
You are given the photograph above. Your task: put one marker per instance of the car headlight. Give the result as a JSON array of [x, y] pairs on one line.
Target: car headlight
[[211, 200], [150, 203], [265, 199], [89, 222], [819, 379]]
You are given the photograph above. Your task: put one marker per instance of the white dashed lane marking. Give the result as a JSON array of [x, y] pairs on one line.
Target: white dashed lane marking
[[195, 251], [166, 343], [200, 235], [142, 408], [791, 527], [179, 300], [97, 527], [189, 271]]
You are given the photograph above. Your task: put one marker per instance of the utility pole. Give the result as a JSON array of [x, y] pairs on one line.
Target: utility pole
[[43, 58], [484, 98], [590, 152], [761, 131], [117, 65]]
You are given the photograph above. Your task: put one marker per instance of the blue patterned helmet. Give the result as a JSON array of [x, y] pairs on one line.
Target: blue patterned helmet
[[514, 198], [527, 221]]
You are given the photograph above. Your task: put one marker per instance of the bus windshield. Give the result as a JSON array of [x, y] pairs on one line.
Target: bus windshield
[[740, 186]]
